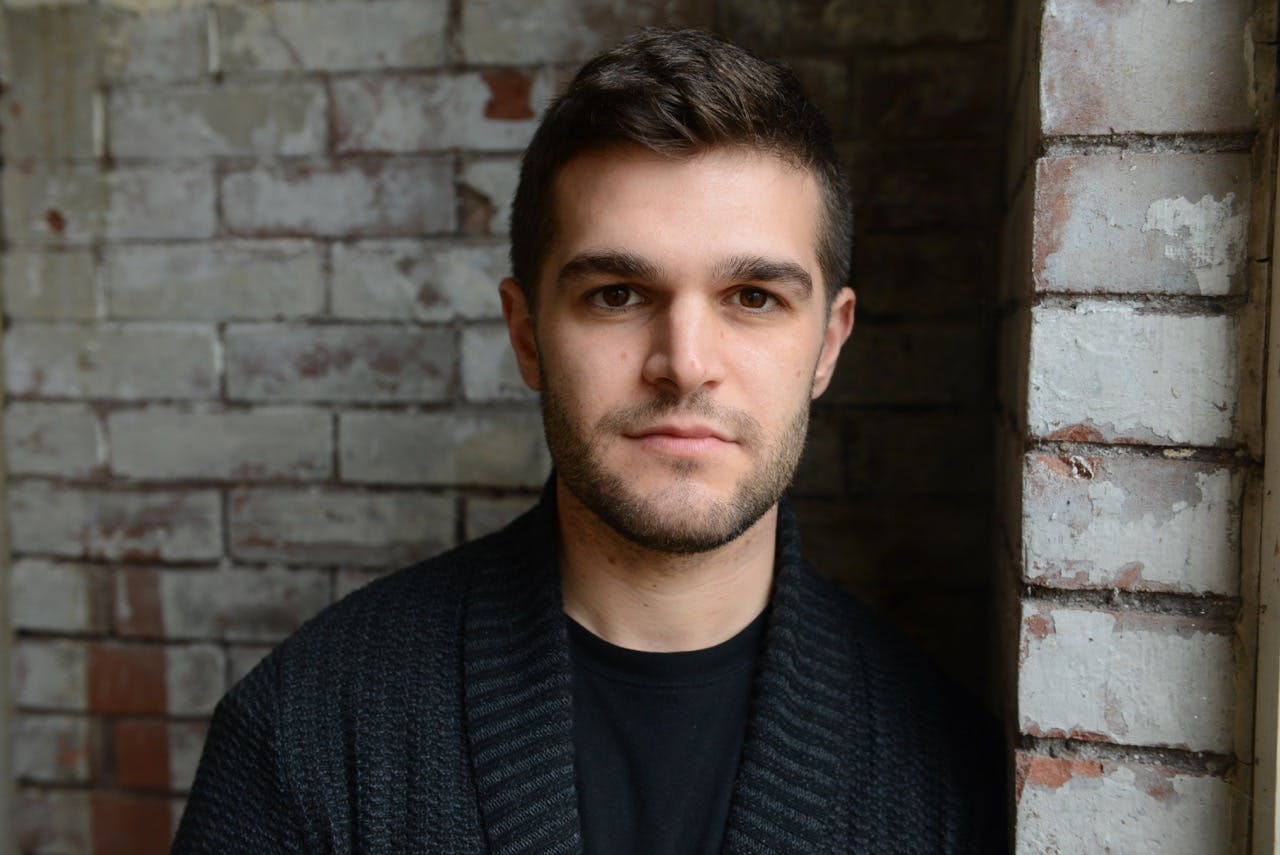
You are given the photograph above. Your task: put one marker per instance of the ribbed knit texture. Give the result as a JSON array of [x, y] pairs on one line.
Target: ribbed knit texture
[[431, 712]]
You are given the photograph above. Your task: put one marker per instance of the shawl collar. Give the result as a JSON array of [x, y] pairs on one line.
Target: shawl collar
[[787, 795]]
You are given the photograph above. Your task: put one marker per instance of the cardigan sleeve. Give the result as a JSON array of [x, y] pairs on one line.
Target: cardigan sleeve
[[241, 801]]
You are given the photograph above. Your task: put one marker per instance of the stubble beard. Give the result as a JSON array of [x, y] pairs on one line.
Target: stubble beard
[[678, 519]]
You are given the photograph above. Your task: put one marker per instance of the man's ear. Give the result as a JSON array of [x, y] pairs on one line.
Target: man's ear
[[839, 326], [519, 317]]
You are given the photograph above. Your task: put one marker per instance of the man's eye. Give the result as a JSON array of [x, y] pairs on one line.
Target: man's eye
[[754, 298], [614, 297]]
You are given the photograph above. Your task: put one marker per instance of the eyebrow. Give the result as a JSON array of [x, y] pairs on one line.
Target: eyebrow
[[624, 265], [755, 268]]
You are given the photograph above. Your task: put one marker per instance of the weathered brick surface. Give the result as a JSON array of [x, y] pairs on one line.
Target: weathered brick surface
[[194, 678], [1134, 523], [48, 596], [373, 197], [418, 280], [142, 748], [1068, 805], [149, 203], [339, 527], [50, 674], [54, 821], [153, 42], [1112, 373], [50, 286], [489, 370], [128, 362], [291, 35], [53, 748], [115, 525], [1126, 677], [1131, 67], [486, 187], [500, 31], [267, 442], [131, 824], [339, 363], [239, 280], [485, 448], [190, 122], [1165, 224], [53, 439], [485, 111], [234, 604]]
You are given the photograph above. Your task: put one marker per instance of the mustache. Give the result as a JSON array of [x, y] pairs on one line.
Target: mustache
[[741, 426]]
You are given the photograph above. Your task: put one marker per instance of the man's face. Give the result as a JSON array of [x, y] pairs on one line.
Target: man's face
[[681, 333]]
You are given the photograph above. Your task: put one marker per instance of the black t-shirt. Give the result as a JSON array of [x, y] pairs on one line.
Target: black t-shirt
[[657, 738]]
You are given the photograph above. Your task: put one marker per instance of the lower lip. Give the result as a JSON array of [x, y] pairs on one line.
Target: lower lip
[[682, 446]]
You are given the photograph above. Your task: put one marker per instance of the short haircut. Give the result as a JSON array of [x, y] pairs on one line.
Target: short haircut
[[679, 93]]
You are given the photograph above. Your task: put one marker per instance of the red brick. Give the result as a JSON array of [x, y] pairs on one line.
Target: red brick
[[125, 824], [142, 754], [127, 680], [138, 606]]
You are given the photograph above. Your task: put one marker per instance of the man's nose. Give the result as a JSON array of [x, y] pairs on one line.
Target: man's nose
[[686, 349]]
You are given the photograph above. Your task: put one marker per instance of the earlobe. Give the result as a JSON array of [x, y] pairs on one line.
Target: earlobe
[[518, 315], [839, 326]]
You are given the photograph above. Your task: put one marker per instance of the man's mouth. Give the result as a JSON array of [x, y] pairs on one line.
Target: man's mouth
[[692, 439]]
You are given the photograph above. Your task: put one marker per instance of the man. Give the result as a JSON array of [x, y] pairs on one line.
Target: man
[[644, 662]]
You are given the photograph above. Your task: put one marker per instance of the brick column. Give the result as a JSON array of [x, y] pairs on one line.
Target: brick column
[[1136, 261]]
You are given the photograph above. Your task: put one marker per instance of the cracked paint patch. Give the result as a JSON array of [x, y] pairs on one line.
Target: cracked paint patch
[[1208, 236]]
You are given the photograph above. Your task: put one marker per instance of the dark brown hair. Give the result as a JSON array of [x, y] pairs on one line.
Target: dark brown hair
[[679, 93]]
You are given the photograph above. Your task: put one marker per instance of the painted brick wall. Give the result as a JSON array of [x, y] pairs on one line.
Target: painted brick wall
[[1136, 257], [253, 353]]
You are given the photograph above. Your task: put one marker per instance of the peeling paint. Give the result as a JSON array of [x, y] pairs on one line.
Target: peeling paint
[[1207, 235]]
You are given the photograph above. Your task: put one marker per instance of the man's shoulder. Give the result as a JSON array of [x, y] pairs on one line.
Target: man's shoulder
[[415, 611]]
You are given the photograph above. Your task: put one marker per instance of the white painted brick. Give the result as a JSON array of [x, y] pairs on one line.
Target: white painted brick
[[126, 362], [1084, 806], [1167, 223], [241, 280], [50, 674], [503, 31], [279, 118], [228, 604], [1133, 523], [487, 514], [51, 85], [194, 678], [58, 822], [262, 443], [478, 111], [383, 197], [492, 449], [332, 36], [156, 203], [186, 742], [51, 748], [348, 527], [154, 41], [489, 369], [494, 180], [47, 596], [417, 280], [152, 525], [1104, 373], [59, 206], [1139, 68], [332, 363], [50, 286], [52, 439], [1125, 677]]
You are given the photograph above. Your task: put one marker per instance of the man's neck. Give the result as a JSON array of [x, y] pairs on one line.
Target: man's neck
[[644, 600]]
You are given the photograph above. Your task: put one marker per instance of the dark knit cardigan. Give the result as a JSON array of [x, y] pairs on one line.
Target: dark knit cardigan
[[430, 712]]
